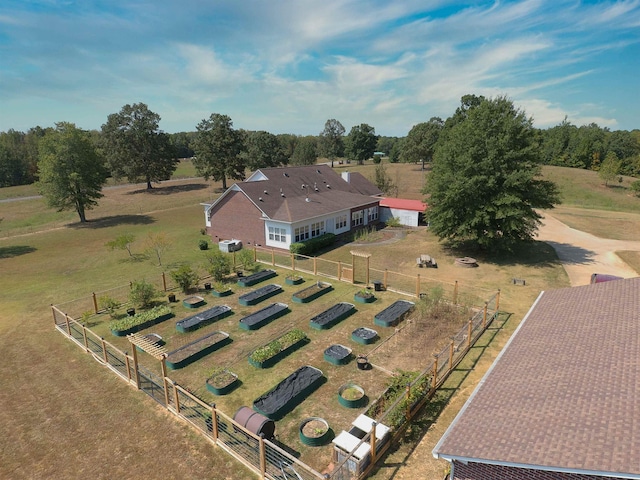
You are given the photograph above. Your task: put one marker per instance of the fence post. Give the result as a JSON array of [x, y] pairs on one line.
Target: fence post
[[176, 397], [484, 315], [214, 423], [418, 286], [385, 278], [164, 281], [163, 366], [408, 412], [128, 364], [451, 350], [455, 293], [367, 276], [104, 351], [498, 300], [84, 338], [315, 265], [273, 258], [263, 456], [373, 442], [234, 259], [95, 302], [293, 262], [255, 253], [66, 319], [53, 314], [134, 355], [434, 378], [469, 330], [339, 271]]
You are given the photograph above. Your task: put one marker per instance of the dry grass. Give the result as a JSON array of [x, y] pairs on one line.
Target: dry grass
[[614, 225]]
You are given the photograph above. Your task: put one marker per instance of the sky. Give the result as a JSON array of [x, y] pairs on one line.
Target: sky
[[287, 66]]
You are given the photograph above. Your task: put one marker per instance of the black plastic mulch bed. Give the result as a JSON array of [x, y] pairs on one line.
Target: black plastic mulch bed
[[262, 317], [364, 335], [262, 293], [203, 318], [256, 278], [337, 354], [393, 314], [332, 315], [287, 394]]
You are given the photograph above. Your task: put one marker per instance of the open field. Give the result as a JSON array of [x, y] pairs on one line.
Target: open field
[[55, 399]]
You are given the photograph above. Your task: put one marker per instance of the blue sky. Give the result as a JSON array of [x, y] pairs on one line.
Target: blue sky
[[286, 66]]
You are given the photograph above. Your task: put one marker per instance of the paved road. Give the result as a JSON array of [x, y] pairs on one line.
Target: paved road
[[583, 254]]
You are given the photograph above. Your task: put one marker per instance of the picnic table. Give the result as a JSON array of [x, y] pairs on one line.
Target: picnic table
[[426, 261]]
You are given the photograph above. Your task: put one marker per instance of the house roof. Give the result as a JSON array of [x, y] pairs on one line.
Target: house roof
[[362, 185], [563, 395], [403, 204], [292, 194]]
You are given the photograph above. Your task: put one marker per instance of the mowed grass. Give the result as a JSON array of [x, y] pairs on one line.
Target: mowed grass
[[57, 400]]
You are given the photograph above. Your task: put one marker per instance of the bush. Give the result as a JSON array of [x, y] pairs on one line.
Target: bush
[[142, 293], [377, 159], [635, 188], [245, 258], [109, 304], [185, 277], [203, 245], [393, 222], [218, 265], [139, 318], [312, 245]]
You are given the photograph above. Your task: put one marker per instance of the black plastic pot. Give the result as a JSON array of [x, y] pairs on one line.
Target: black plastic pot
[[131, 312], [172, 297]]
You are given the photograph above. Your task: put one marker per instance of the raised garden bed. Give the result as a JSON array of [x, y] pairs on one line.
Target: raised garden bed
[[256, 296], [221, 293], [293, 280], [194, 301], [262, 317], [287, 394], [351, 395], [393, 314], [222, 382], [337, 354], [364, 296], [332, 315], [271, 353], [364, 335], [314, 431], [203, 318], [140, 321], [256, 278], [197, 349], [311, 293]]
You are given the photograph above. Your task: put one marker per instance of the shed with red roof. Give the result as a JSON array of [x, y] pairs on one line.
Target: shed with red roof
[[408, 212]]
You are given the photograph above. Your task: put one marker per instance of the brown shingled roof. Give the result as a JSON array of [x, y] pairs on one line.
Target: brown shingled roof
[[295, 193], [564, 394]]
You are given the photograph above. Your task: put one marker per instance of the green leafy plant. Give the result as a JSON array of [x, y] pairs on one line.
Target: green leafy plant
[[185, 277], [109, 304], [635, 188], [139, 318], [245, 258], [313, 244], [393, 222], [203, 245], [271, 349], [142, 293], [218, 264]]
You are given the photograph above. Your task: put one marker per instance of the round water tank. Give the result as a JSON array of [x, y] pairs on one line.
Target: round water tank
[[255, 422]]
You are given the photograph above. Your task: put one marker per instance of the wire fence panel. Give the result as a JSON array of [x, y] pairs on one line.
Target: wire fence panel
[[195, 412], [282, 466], [401, 283], [327, 268], [152, 385], [117, 360], [241, 443]]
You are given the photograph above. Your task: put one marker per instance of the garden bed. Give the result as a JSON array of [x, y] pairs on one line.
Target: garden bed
[[221, 293], [287, 394], [364, 296], [256, 296], [337, 354], [314, 431], [351, 395], [311, 293], [256, 278], [331, 316], [271, 353], [262, 317], [393, 314], [364, 335], [197, 349], [294, 280], [203, 318], [194, 301], [140, 321], [222, 382]]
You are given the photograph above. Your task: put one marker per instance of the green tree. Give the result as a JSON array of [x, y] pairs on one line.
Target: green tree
[[331, 141], [185, 277], [218, 148], [70, 170], [609, 168], [142, 293], [305, 152], [484, 186], [218, 265], [264, 150], [361, 143], [288, 142], [157, 244], [383, 180], [396, 151], [420, 143], [136, 148], [122, 242]]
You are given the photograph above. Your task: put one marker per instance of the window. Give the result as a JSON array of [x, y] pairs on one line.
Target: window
[[372, 214], [301, 233], [277, 234], [317, 229], [341, 221], [357, 218]]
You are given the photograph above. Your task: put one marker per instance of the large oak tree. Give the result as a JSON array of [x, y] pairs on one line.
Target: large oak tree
[[71, 172], [331, 141], [361, 143], [485, 186], [135, 146]]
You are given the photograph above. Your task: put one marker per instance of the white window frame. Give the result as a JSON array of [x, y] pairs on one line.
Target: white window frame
[[357, 218], [277, 234]]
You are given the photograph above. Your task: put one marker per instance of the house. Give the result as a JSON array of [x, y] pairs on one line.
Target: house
[[276, 207], [408, 212], [562, 400]]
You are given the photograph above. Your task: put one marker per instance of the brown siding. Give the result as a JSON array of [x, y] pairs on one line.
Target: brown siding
[[481, 471], [237, 217]]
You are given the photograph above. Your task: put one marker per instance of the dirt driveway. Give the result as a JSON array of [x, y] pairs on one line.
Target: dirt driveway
[[582, 253]]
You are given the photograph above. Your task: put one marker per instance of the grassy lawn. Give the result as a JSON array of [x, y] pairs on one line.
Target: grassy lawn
[[56, 399]]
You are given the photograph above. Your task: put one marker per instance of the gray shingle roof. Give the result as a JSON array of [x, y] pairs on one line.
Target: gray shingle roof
[[565, 391]]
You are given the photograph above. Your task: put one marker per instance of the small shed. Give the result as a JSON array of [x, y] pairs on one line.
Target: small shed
[[349, 445], [409, 212]]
